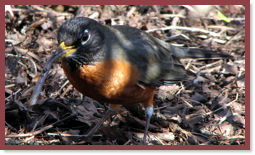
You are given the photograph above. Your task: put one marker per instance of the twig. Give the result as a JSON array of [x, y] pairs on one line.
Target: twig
[[10, 127], [233, 38], [236, 137], [98, 125], [60, 89], [179, 91], [127, 142], [38, 131], [23, 57], [177, 37], [39, 121], [220, 41], [192, 29], [221, 27], [159, 140], [159, 108], [221, 19], [48, 10], [13, 94], [230, 103], [207, 18], [223, 119], [67, 89], [8, 8], [9, 85], [210, 65], [29, 138], [30, 134], [188, 65], [171, 16], [209, 113], [187, 103], [20, 106], [65, 135]]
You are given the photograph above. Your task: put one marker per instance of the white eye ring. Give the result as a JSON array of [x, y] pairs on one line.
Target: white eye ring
[[85, 38]]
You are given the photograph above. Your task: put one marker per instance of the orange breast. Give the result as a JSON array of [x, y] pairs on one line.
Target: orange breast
[[110, 81]]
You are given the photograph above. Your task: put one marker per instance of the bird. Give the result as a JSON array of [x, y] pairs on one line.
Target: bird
[[122, 65]]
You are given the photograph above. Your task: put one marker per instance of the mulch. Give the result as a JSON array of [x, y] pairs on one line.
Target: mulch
[[207, 111]]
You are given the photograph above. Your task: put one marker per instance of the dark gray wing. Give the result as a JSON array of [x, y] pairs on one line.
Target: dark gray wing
[[157, 64]]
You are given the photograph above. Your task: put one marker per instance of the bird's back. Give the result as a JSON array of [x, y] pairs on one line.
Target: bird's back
[[155, 61]]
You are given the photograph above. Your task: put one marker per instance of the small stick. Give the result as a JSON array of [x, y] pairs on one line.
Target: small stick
[[192, 29], [23, 57], [38, 131]]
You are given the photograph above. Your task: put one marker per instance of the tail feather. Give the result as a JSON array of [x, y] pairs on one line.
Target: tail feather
[[182, 52]]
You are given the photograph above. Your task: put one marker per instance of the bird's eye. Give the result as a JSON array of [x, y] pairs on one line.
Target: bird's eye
[[85, 37]]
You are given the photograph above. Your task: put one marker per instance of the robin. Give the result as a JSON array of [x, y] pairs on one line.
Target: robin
[[121, 64]]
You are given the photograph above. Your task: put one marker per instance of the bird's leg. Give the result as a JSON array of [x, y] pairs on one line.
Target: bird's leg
[[148, 112]]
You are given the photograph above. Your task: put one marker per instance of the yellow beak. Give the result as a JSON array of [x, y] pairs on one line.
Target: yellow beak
[[67, 49]]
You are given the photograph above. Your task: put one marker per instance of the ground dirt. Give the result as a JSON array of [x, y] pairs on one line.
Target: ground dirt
[[207, 111]]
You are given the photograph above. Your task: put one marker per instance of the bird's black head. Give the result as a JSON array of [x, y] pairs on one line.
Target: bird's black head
[[84, 39]]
